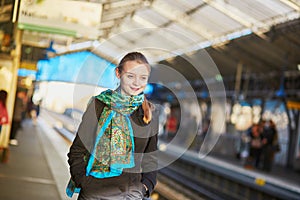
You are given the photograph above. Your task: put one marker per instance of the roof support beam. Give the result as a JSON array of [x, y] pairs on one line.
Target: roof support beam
[[251, 57], [189, 23], [292, 3], [121, 4], [4, 17], [167, 35], [181, 18], [5, 8], [234, 13], [240, 55]]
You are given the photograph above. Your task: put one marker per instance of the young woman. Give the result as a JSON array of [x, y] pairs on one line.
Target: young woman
[[113, 153], [3, 110]]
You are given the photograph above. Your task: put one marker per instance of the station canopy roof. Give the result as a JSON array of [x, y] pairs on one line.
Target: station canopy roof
[[262, 34]]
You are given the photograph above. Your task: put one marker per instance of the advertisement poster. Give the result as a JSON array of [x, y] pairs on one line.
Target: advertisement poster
[[75, 18]]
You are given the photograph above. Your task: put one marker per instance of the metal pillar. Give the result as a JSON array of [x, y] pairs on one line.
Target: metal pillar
[[16, 55]]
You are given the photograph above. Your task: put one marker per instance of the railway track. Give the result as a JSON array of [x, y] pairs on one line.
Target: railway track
[[207, 180], [191, 178]]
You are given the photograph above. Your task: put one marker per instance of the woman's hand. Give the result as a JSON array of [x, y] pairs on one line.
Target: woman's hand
[[145, 191]]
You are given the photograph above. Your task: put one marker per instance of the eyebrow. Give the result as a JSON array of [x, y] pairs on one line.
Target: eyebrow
[[136, 74]]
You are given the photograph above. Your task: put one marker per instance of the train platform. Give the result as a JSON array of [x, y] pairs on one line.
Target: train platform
[[37, 168]]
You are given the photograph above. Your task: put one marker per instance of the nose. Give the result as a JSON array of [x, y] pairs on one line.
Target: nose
[[136, 81]]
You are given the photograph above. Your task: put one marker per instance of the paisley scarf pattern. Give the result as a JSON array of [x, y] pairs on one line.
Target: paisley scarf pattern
[[114, 145]]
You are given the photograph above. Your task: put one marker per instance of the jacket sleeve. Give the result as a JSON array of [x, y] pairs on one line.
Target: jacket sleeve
[[149, 162], [83, 143]]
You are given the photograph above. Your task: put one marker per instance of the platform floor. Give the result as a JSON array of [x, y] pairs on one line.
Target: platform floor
[[37, 168]]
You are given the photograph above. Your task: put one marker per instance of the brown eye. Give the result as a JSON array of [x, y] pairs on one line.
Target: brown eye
[[130, 76], [144, 78]]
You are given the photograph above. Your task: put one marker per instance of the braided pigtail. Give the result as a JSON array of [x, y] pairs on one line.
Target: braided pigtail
[[146, 106]]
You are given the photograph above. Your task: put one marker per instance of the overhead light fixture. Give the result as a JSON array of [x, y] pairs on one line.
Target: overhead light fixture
[[298, 67]]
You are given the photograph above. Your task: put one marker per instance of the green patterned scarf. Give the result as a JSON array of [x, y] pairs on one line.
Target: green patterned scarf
[[114, 145]]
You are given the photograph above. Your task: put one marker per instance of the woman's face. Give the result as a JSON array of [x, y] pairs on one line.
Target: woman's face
[[134, 77]]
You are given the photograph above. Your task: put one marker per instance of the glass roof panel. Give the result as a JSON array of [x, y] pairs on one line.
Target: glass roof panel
[[249, 8], [135, 30], [277, 7], [190, 4], [186, 33], [187, 22], [178, 5], [216, 21], [260, 10], [108, 48], [119, 41], [152, 17], [156, 40]]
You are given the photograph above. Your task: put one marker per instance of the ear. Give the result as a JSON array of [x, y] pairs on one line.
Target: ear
[[118, 74]]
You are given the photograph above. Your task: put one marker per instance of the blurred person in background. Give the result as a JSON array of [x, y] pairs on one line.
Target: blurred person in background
[[4, 151], [3, 110], [171, 126], [113, 153], [270, 139], [19, 109], [33, 110], [255, 148]]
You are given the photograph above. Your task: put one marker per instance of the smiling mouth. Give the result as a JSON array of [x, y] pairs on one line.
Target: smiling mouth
[[135, 89]]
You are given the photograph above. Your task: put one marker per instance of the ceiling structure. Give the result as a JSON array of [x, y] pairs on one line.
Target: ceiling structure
[[262, 35], [278, 51], [184, 26], [5, 10]]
